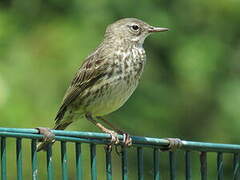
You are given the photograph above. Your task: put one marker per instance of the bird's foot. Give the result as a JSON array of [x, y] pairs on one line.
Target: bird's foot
[[114, 137], [127, 140], [48, 136], [174, 143], [114, 140]]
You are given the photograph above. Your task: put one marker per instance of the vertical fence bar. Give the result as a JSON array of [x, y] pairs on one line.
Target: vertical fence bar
[[34, 160], [19, 158], [78, 161], [49, 163], [172, 159], [203, 161], [156, 164], [93, 161], [3, 159], [64, 160], [124, 164], [236, 168], [108, 163], [188, 171], [140, 163], [220, 165]]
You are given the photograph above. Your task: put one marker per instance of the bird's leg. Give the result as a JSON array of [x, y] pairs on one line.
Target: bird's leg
[[48, 136], [113, 134], [110, 124], [174, 143], [126, 138]]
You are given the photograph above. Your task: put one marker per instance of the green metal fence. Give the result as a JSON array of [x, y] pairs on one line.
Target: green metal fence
[[140, 144]]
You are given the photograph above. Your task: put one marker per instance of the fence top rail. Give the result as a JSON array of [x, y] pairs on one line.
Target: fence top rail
[[102, 138]]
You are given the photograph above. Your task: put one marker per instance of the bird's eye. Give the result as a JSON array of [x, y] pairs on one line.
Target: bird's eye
[[135, 27]]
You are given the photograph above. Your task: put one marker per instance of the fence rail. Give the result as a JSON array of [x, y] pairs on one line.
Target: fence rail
[[94, 139]]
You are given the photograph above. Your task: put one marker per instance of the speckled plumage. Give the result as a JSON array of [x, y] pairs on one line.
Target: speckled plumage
[[108, 76], [106, 79]]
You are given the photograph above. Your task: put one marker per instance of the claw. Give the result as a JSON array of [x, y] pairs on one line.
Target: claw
[[114, 140], [114, 137], [108, 148], [174, 143], [127, 140]]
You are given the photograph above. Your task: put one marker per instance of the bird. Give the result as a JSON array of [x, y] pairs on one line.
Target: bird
[[106, 79]]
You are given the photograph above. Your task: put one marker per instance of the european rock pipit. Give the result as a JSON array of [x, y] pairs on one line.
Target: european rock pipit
[[107, 77]]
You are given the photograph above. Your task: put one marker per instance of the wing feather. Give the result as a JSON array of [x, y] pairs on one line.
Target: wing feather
[[92, 70]]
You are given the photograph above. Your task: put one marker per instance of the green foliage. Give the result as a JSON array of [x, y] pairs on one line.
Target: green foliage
[[190, 87]]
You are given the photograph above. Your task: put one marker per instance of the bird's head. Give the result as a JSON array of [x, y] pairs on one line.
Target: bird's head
[[131, 30]]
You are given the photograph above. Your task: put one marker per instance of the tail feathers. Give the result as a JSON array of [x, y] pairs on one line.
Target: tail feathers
[[60, 113], [45, 144], [62, 125]]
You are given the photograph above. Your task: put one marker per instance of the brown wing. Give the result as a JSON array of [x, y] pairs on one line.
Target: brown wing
[[93, 69]]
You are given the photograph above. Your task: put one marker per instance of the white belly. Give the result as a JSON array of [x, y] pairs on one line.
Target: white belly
[[112, 98]]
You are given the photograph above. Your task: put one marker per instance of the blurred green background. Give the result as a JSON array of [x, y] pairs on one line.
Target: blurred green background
[[190, 88]]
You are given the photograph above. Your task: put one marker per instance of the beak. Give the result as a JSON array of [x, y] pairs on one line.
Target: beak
[[157, 29]]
